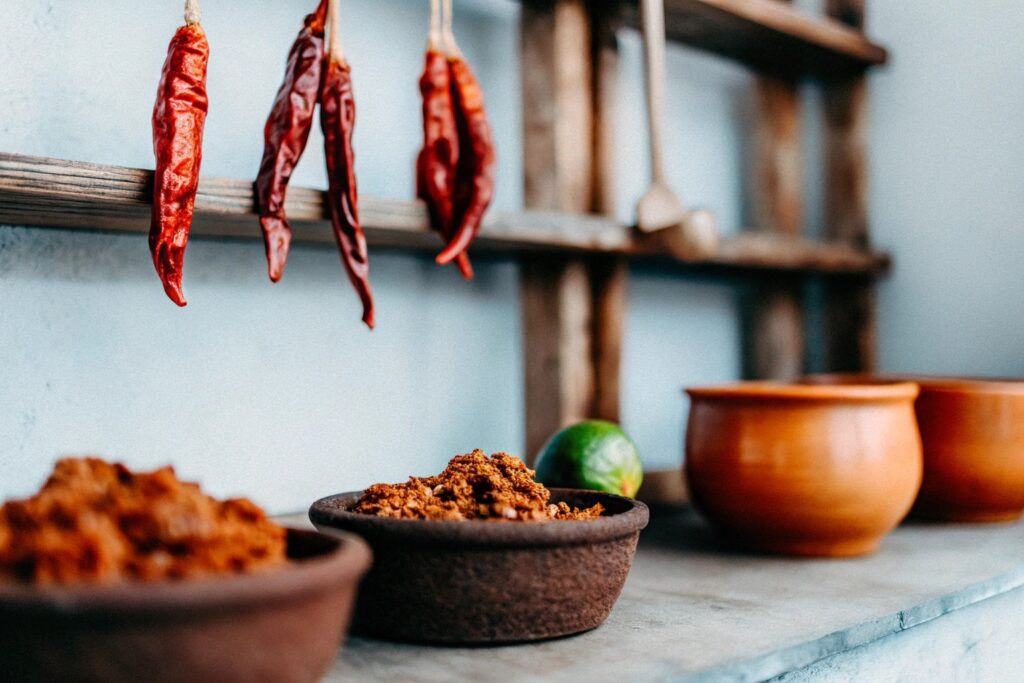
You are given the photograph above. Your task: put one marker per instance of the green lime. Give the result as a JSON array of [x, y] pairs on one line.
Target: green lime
[[592, 454]]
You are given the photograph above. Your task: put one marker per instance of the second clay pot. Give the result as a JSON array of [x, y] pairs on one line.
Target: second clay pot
[[804, 470]]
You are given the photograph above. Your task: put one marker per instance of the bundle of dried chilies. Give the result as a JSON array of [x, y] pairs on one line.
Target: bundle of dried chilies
[[315, 76], [178, 119], [455, 168], [436, 162]]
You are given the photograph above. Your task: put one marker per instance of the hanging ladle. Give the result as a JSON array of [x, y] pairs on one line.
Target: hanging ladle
[[660, 212]]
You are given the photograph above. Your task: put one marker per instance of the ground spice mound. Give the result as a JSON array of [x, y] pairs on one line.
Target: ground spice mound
[[473, 486], [95, 522]]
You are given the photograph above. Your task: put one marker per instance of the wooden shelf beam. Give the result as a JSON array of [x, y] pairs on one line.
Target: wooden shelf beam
[[54, 193], [850, 312], [769, 36], [774, 341]]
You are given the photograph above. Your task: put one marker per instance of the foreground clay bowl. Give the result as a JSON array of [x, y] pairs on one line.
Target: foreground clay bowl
[[278, 625], [804, 470], [973, 436], [476, 582]]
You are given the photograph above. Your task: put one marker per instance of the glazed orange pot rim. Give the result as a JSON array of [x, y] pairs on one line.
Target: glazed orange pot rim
[[854, 393], [953, 384]]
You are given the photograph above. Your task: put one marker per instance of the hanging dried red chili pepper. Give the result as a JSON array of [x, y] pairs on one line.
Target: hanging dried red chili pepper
[[178, 118], [474, 175], [436, 163], [337, 118], [286, 134]]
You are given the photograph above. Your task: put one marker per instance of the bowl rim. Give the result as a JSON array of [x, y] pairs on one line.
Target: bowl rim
[[965, 384], [341, 559], [795, 391], [331, 512]]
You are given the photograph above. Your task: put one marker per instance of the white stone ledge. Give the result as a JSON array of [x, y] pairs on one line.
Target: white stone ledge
[[693, 610]]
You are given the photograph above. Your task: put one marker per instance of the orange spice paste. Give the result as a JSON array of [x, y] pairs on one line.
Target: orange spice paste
[[473, 486], [94, 521]]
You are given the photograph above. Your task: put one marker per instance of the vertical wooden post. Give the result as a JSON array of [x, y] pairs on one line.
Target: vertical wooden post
[[609, 275], [572, 307], [773, 315], [557, 105], [849, 314]]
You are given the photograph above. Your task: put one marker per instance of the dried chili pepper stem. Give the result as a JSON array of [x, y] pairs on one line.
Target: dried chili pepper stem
[[436, 35], [193, 15], [337, 118], [178, 119], [447, 34], [334, 50]]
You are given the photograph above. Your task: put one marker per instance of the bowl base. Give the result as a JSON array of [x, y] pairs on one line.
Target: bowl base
[[815, 548], [970, 516], [446, 640]]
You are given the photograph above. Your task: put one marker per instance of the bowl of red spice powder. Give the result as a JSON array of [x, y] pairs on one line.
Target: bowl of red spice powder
[[112, 575], [483, 554]]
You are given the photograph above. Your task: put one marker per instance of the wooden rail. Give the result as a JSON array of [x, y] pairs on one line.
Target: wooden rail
[[54, 193]]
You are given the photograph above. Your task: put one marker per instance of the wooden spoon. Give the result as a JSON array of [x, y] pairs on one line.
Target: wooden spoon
[[659, 208]]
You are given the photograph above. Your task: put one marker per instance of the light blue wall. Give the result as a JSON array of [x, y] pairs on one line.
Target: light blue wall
[[947, 154], [274, 390], [277, 391]]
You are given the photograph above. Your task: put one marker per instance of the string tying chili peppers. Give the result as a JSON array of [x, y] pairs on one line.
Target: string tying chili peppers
[[193, 15], [286, 134], [178, 119], [337, 119], [437, 160], [474, 171]]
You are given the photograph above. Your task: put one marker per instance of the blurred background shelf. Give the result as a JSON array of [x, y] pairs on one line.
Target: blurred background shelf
[[74, 195], [768, 36]]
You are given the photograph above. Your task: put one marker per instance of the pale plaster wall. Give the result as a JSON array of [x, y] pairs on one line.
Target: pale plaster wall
[[277, 391]]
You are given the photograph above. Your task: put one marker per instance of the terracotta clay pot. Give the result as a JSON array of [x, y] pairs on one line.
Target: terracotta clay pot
[[804, 470], [973, 436], [275, 625], [478, 582]]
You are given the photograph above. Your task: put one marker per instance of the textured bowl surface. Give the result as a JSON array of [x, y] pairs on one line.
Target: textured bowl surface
[[278, 625], [490, 582], [973, 435], [804, 470]]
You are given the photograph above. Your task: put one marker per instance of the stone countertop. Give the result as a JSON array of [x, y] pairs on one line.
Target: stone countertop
[[692, 609]]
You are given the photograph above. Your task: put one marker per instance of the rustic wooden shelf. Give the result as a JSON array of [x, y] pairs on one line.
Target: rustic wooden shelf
[[769, 36], [54, 193]]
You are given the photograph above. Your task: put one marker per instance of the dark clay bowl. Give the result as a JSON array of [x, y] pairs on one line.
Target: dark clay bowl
[[478, 582], [277, 625]]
